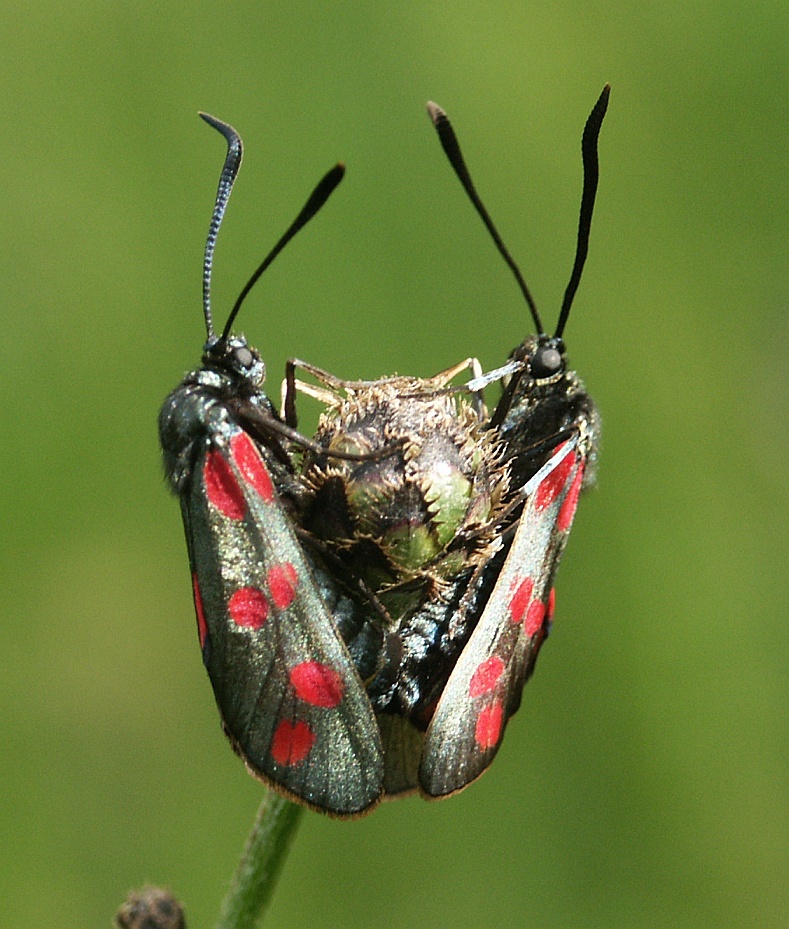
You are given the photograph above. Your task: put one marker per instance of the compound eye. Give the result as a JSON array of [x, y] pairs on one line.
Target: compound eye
[[243, 356], [546, 361]]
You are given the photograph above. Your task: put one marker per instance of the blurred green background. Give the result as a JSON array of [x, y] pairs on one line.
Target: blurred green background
[[644, 782]]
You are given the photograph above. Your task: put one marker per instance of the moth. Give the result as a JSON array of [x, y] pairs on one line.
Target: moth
[[371, 601], [291, 701], [456, 538], [549, 428]]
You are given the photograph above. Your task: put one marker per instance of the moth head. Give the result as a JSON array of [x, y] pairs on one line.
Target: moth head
[[236, 357], [548, 359]]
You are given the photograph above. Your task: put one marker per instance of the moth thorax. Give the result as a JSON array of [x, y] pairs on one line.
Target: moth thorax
[[406, 512]]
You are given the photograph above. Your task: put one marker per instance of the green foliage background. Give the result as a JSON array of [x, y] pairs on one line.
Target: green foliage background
[[644, 782]]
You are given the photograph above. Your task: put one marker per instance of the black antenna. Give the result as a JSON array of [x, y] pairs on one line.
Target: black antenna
[[318, 197], [449, 143], [229, 173], [591, 174]]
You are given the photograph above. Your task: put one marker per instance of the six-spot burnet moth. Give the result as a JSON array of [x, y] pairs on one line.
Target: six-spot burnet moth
[[290, 698], [549, 428], [455, 538], [368, 620]]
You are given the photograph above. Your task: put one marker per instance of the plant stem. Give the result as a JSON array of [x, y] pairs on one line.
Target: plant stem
[[260, 865]]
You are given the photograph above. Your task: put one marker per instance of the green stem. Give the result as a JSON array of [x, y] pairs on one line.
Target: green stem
[[260, 865]]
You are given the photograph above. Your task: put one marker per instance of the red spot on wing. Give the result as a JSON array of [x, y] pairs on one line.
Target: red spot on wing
[[221, 486], [567, 511], [282, 580], [553, 484], [551, 603], [202, 625], [317, 684], [291, 742], [248, 607], [520, 599], [487, 675], [488, 727], [534, 617], [251, 465]]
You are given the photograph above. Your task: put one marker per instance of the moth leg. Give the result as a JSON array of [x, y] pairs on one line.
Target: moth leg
[[289, 390], [290, 386], [468, 364], [481, 379], [266, 428]]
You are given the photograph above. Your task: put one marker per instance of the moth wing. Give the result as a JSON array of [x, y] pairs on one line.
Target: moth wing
[[402, 743], [484, 688], [290, 698]]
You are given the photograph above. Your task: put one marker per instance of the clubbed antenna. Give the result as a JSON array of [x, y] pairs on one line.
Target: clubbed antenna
[[318, 197], [229, 173], [591, 174], [451, 146], [591, 165]]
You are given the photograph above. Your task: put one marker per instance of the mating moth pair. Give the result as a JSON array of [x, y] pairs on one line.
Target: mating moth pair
[[371, 601]]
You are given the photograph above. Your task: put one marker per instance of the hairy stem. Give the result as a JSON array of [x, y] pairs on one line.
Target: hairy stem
[[260, 865]]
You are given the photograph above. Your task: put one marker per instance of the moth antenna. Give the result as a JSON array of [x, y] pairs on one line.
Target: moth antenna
[[591, 165], [235, 151], [451, 146], [318, 197]]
